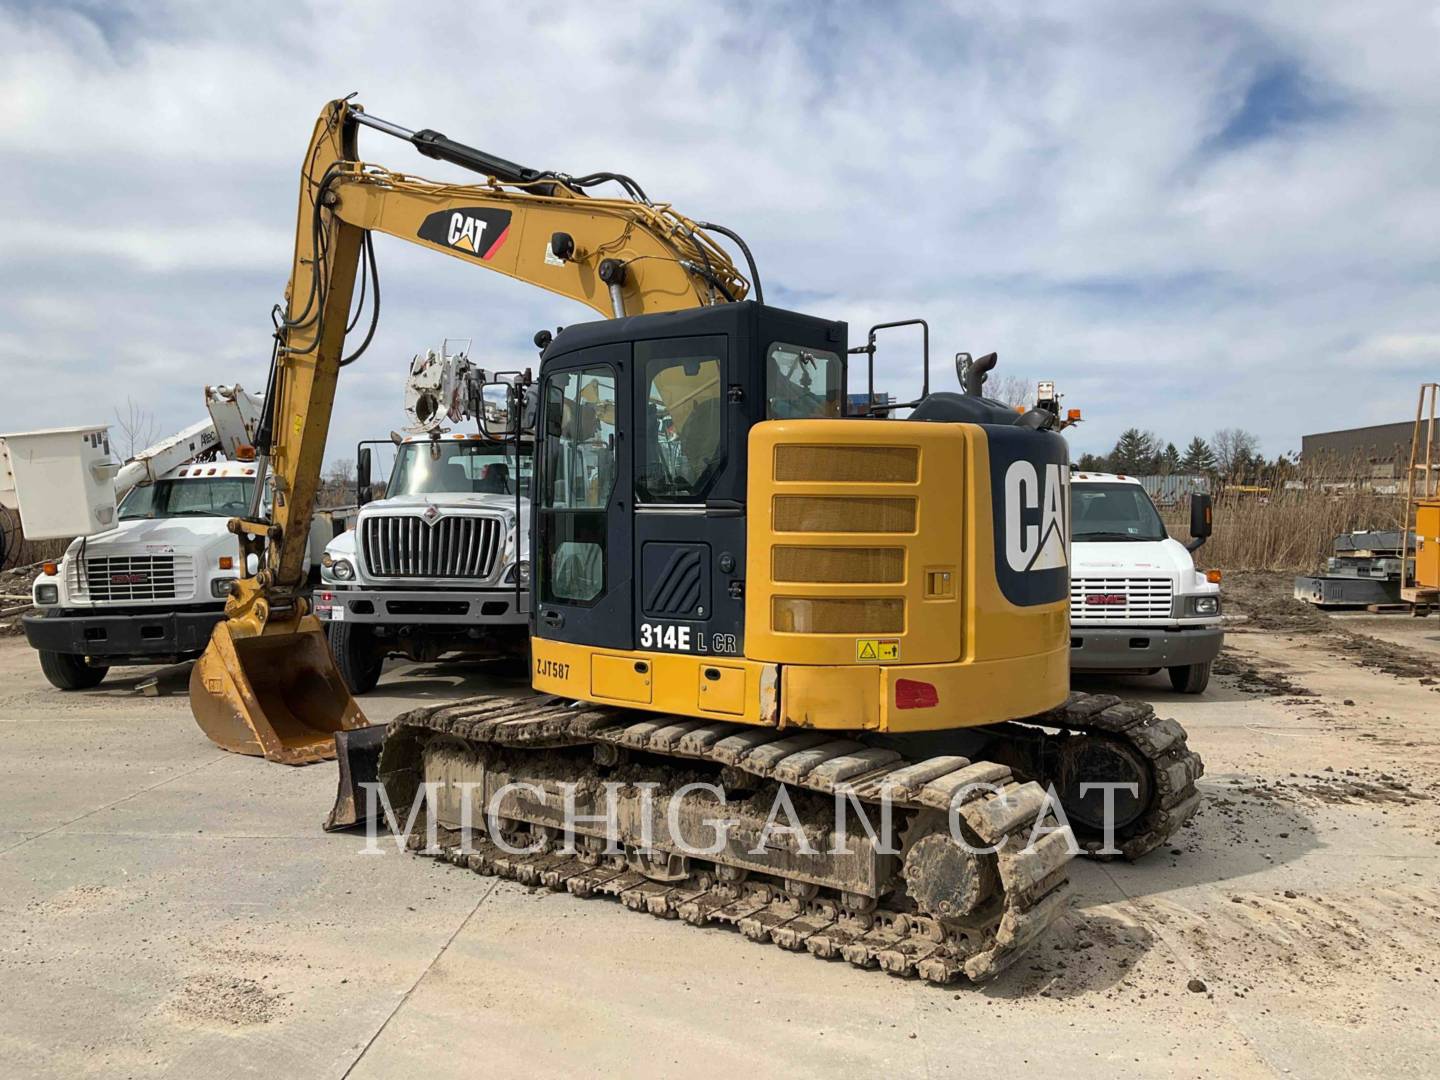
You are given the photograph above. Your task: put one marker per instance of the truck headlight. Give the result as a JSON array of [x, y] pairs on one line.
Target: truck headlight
[[1205, 605], [220, 587], [339, 569], [47, 594], [523, 569]]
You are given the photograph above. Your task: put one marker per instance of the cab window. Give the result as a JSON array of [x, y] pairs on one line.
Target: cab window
[[212, 496], [803, 383], [439, 466], [1113, 512], [682, 448], [577, 476]]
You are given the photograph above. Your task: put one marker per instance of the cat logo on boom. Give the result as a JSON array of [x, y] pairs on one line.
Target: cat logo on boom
[[479, 231]]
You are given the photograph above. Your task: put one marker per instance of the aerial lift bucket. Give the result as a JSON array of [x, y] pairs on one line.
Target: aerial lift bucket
[[276, 695]]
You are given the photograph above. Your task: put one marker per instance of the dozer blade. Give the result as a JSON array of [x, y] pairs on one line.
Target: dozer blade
[[276, 696], [359, 755]]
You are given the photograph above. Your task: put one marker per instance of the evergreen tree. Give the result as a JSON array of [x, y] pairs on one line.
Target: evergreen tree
[[1090, 463], [1134, 453], [1199, 458], [1170, 459]]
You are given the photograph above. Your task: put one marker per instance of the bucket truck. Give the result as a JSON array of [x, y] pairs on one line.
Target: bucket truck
[[439, 565], [146, 577]]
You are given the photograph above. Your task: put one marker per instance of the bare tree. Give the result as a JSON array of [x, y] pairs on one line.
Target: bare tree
[[138, 430], [1013, 390], [1233, 448], [338, 484]]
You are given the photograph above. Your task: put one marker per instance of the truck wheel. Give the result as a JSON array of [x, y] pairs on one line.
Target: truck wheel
[[356, 656], [1191, 678], [69, 672]]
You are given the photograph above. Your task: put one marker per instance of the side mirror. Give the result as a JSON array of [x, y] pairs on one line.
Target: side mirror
[[362, 477], [497, 410], [1202, 519], [529, 408]]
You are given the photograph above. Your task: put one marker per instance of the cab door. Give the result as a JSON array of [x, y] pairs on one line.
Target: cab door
[[689, 531], [583, 534]]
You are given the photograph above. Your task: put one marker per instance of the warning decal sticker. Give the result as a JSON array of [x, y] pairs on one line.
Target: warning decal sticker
[[875, 649]]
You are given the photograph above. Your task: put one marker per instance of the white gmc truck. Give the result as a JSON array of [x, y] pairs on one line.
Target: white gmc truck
[[439, 565], [1137, 603], [149, 590], [145, 580]]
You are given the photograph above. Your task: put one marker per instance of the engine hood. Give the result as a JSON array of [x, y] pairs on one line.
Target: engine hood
[[176, 533], [443, 501], [1125, 558]]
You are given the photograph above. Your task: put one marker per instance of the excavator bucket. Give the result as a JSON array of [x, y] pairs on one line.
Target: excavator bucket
[[358, 753], [276, 696]]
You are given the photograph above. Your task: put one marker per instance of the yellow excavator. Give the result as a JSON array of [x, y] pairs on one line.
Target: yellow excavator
[[741, 579]]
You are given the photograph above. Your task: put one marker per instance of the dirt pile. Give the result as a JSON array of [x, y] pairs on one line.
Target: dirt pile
[[227, 1000], [1335, 787], [1250, 678], [1266, 601], [15, 597]]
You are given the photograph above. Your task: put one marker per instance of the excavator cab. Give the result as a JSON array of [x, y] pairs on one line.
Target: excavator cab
[[716, 536]]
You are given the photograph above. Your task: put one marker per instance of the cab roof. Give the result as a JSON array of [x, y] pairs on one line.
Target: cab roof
[[1088, 477], [202, 469], [450, 436]]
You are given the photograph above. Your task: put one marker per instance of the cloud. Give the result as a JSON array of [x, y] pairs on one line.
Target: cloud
[[1191, 216]]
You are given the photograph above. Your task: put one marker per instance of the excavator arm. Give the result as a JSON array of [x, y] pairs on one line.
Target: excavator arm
[[266, 684]]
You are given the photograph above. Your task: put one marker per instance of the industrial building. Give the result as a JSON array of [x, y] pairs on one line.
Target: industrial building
[[1382, 450]]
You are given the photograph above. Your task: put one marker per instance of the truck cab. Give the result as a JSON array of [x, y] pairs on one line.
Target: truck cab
[[1137, 603], [149, 590], [439, 565]]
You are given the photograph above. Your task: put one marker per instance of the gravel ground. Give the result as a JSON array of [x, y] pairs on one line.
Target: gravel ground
[[169, 909]]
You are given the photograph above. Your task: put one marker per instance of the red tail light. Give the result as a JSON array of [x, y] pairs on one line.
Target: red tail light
[[913, 694]]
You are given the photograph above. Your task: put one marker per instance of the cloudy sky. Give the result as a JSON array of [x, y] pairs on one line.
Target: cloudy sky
[[1191, 215]]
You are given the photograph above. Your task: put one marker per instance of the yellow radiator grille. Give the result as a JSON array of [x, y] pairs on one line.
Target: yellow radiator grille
[[869, 615], [844, 565], [839, 514], [848, 464]]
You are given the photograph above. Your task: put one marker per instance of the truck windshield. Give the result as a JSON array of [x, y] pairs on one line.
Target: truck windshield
[[1113, 512], [443, 467], [212, 496]]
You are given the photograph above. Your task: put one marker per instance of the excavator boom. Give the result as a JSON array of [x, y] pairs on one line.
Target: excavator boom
[[617, 256]]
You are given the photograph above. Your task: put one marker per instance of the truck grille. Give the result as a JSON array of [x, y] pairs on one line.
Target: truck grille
[[121, 578], [450, 547], [1117, 600]]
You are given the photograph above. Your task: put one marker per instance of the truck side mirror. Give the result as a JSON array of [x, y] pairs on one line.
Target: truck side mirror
[[497, 410], [362, 477], [1202, 524]]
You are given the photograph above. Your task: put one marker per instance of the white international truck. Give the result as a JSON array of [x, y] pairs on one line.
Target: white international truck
[[1137, 603], [146, 577], [440, 565]]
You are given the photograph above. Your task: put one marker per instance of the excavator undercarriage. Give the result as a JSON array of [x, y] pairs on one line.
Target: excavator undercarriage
[[718, 822]]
